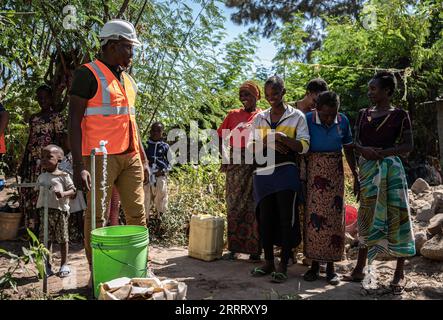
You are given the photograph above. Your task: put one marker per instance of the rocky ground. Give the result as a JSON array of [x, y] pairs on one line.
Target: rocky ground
[[427, 210]]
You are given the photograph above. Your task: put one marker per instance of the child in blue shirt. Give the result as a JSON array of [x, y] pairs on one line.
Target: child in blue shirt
[[156, 190]]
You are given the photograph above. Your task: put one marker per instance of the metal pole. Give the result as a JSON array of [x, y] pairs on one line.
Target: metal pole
[[45, 233], [93, 208]]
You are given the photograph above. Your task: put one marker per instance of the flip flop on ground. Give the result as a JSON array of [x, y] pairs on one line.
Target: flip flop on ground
[[398, 288], [333, 279], [230, 256], [311, 275], [353, 278], [261, 271], [279, 277], [64, 271]]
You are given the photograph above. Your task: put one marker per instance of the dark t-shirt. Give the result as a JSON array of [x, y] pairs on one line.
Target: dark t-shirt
[[84, 83], [382, 132], [2, 108]]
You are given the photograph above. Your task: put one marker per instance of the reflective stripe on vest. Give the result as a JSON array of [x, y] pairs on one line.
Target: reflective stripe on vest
[[106, 96], [107, 111]]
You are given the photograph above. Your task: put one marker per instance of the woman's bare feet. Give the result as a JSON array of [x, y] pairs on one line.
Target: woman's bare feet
[[398, 283]]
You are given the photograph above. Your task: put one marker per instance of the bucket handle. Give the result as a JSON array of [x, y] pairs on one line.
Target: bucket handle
[[121, 262]]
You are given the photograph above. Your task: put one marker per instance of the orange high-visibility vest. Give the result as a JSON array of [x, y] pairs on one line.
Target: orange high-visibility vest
[[2, 144], [110, 114]]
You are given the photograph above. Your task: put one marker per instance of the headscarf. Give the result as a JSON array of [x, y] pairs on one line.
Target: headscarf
[[252, 88]]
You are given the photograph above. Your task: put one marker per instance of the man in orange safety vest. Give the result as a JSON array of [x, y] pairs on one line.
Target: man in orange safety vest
[[102, 107]]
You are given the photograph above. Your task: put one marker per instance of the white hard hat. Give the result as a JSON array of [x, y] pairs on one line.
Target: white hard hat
[[117, 29]]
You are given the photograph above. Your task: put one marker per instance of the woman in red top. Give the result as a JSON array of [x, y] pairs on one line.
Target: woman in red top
[[242, 224]]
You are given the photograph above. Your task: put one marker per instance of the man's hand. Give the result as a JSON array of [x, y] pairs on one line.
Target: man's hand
[[82, 179], [146, 173]]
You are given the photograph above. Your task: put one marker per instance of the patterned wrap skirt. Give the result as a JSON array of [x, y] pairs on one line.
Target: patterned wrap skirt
[[324, 223], [243, 236], [384, 220]]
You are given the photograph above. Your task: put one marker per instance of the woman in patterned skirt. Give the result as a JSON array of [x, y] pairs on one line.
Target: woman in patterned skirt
[[242, 224], [324, 223], [383, 133]]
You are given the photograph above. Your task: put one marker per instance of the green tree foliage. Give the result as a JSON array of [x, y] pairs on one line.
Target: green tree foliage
[[184, 70], [402, 36]]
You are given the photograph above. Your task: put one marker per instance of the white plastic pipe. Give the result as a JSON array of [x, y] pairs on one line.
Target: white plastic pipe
[[103, 150], [93, 151]]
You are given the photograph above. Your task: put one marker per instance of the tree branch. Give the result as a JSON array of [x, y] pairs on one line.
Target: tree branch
[[106, 16], [159, 97], [141, 12], [122, 9]]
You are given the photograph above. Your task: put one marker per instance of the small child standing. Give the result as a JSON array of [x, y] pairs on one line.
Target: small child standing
[[61, 188], [156, 190]]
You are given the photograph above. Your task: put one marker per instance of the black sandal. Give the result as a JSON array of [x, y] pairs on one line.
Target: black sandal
[[333, 278], [279, 277], [353, 278], [261, 271], [398, 288], [311, 275], [230, 256]]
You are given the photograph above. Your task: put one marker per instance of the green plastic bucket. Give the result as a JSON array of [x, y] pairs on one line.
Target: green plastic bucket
[[118, 251]]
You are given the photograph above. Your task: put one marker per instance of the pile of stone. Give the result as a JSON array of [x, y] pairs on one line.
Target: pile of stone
[[143, 289], [427, 210]]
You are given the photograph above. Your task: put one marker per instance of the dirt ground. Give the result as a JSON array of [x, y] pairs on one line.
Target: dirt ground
[[230, 280]]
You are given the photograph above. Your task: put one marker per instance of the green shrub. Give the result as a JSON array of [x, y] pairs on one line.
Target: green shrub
[[193, 189]]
